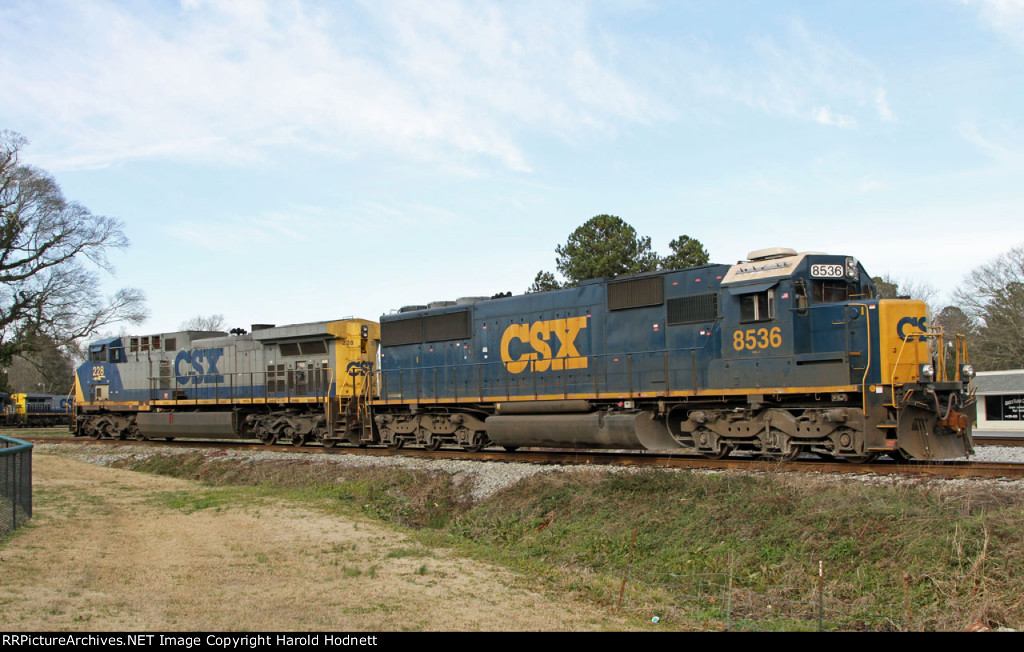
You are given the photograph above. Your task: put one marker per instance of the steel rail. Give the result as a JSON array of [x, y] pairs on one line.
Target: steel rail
[[941, 469]]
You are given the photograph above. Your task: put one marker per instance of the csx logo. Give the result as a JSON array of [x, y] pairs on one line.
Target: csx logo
[[359, 368], [914, 323], [529, 345], [198, 366]]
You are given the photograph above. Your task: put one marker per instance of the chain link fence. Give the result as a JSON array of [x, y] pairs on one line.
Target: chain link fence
[[15, 484]]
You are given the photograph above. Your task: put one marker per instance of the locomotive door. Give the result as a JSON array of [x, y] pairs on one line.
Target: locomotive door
[[821, 350]]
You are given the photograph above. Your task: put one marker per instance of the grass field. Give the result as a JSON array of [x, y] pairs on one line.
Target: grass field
[[20, 433], [893, 554]]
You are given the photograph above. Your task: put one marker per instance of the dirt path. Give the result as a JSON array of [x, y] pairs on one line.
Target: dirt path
[[108, 549]]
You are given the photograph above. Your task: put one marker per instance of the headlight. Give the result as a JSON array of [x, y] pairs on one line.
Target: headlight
[[927, 372], [967, 371], [851, 268]]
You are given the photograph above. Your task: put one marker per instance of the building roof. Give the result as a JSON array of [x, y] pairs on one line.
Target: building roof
[[1000, 382]]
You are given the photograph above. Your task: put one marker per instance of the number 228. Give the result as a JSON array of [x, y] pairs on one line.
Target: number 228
[[757, 338]]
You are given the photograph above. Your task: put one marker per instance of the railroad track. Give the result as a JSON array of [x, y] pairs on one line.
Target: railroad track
[[994, 440], [948, 469]]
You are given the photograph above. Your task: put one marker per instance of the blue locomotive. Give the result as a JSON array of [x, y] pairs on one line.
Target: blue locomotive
[[24, 410], [778, 355], [781, 354]]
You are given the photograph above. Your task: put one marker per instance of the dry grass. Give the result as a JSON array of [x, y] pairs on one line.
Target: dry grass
[[110, 549]]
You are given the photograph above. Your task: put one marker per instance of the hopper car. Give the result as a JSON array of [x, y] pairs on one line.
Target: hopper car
[[780, 354]]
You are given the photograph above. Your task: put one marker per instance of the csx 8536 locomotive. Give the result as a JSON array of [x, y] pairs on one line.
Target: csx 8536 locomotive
[[781, 354]]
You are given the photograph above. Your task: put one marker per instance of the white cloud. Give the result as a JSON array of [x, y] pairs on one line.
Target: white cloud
[[799, 74], [1006, 148], [882, 106], [1005, 17], [454, 81], [824, 115]]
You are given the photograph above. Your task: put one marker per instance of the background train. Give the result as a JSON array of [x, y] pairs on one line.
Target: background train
[[774, 356], [22, 410]]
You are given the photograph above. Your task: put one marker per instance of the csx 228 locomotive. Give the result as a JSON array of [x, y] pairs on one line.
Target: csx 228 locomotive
[[781, 354], [290, 384]]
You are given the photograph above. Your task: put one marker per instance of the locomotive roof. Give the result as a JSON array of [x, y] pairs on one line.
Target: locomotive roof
[[774, 267]]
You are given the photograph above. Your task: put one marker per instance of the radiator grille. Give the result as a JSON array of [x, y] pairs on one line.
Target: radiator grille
[[636, 293]]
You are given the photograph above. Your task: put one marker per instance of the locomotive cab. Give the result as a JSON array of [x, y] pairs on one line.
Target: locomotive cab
[[780, 315], [827, 367]]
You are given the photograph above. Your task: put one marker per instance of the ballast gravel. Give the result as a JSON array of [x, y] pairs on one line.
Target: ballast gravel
[[484, 478]]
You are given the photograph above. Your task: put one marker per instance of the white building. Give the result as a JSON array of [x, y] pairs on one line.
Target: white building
[[1000, 400]]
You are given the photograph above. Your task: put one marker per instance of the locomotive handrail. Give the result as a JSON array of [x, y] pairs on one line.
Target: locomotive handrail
[[934, 332], [319, 391], [867, 365]]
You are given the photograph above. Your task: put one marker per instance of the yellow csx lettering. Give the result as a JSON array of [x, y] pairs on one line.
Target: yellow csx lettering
[[538, 336]]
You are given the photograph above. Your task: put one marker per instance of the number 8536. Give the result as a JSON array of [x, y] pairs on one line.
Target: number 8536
[[757, 338]]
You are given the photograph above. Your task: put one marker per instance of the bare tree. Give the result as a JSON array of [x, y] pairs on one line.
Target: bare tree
[[993, 295], [891, 287], [51, 251], [204, 323]]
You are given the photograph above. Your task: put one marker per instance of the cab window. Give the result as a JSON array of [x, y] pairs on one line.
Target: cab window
[[757, 306], [830, 291]]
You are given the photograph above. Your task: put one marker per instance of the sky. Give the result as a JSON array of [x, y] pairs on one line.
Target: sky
[[287, 161]]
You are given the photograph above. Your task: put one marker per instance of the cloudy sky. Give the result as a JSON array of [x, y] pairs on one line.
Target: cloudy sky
[[282, 161]]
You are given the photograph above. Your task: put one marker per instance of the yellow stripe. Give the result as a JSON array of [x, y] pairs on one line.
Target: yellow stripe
[[239, 401], [504, 398]]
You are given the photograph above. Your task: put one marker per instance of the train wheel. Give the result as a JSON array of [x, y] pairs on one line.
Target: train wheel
[[396, 444], [480, 441], [867, 458], [722, 452], [510, 449], [330, 443], [897, 456], [433, 444], [794, 452]]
